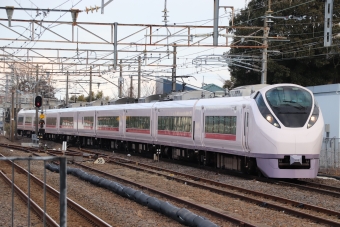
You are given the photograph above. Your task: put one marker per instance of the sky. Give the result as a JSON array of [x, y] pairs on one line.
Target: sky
[[181, 12]]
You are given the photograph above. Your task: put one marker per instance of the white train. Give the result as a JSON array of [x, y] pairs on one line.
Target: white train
[[277, 130]]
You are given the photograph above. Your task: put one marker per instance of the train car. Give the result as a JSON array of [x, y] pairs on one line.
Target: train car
[[51, 123], [285, 131], [276, 131], [26, 122], [110, 122], [220, 131], [174, 125], [137, 122], [67, 119], [20, 124]]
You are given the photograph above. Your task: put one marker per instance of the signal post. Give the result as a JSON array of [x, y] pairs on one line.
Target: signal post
[[38, 104]]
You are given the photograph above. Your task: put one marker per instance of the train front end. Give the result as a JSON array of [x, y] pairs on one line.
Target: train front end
[[290, 126]]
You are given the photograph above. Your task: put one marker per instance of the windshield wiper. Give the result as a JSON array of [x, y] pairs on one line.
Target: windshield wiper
[[292, 112], [299, 105]]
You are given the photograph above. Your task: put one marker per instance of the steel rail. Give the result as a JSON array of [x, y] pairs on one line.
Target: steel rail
[[73, 205], [219, 191], [246, 191], [261, 203], [308, 188], [332, 193], [172, 197], [35, 207], [314, 185]]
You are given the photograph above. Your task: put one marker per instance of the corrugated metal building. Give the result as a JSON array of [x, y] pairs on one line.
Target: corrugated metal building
[[328, 98], [164, 86]]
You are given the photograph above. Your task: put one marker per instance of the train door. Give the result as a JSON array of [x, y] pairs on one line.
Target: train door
[[203, 127], [245, 133]]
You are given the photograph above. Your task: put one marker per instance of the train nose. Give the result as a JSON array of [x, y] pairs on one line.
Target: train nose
[[286, 143], [295, 143]]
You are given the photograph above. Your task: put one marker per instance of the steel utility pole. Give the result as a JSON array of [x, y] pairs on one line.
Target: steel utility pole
[[120, 79], [215, 33], [90, 84], [36, 94], [12, 116], [139, 73], [66, 88], [173, 78], [265, 43], [131, 87], [16, 107], [6, 91], [328, 23]]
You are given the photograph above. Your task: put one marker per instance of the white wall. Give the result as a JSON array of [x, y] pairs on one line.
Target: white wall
[[328, 98]]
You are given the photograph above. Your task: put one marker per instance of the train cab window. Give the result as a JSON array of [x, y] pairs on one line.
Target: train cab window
[[292, 105]]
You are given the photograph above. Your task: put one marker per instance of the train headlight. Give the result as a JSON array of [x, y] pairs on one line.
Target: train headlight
[[314, 117], [269, 118], [265, 111], [272, 120]]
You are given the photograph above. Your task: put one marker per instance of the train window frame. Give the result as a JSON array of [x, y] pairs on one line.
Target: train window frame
[[51, 121], [137, 122], [213, 124], [21, 120]]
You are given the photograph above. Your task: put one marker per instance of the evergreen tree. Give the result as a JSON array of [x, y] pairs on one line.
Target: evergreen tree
[[301, 60]]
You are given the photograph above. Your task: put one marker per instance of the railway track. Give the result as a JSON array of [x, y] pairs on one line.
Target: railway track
[[39, 211], [304, 185], [77, 215], [210, 185], [296, 210], [213, 212]]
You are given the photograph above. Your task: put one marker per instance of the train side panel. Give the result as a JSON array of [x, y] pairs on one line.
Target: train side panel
[[52, 122], [21, 118], [109, 123], [86, 123], [29, 121], [138, 122], [174, 123], [68, 122], [219, 125]]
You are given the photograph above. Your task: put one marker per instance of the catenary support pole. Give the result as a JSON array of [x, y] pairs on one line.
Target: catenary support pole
[[16, 107], [90, 84], [131, 87], [265, 44], [66, 88], [36, 94], [115, 46], [216, 17], [173, 78], [120, 79], [12, 116], [139, 74]]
